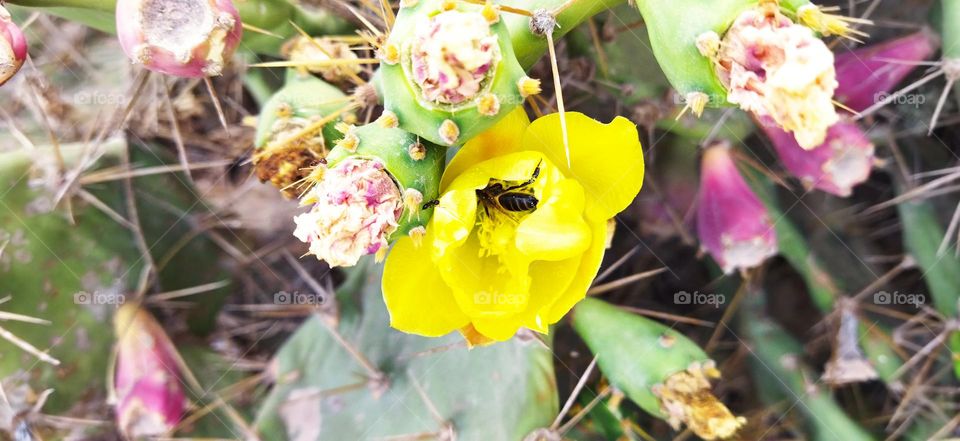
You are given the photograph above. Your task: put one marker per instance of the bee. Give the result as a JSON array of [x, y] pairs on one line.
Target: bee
[[511, 200]]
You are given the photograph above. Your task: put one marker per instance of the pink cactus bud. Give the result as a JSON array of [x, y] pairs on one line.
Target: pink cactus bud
[[356, 207], [842, 162], [732, 223], [865, 75], [150, 397], [184, 38], [13, 47]]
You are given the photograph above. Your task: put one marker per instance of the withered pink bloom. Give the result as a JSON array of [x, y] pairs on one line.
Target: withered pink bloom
[[842, 162], [733, 225], [150, 398], [355, 209], [13, 47], [867, 75], [184, 38], [775, 68], [452, 56]]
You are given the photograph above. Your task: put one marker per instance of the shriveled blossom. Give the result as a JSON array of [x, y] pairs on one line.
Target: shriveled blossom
[[355, 208], [452, 56], [843, 161], [13, 46], [732, 222], [489, 268], [150, 397], [774, 67], [686, 399], [184, 38]]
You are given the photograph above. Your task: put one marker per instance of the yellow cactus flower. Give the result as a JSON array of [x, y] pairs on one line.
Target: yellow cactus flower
[[517, 236]]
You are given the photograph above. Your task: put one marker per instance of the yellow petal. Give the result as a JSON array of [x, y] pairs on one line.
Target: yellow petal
[[485, 286], [606, 159], [453, 220], [499, 140], [585, 273], [499, 329], [549, 281], [556, 230], [417, 298]]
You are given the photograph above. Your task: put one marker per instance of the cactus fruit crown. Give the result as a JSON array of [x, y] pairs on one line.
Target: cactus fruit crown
[[13, 47], [186, 38], [449, 71], [376, 169]]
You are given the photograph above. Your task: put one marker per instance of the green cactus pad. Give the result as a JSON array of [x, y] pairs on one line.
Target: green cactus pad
[[401, 94], [631, 352], [496, 393], [50, 270], [392, 146]]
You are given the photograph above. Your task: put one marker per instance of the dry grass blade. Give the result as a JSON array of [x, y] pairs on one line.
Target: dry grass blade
[[118, 173], [573, 395], [619, 283], [186, 292]]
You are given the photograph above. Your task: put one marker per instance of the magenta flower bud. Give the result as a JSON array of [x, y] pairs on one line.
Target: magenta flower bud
[[865, 75], [842, 162], [184, 38], [150, 398], [13, 47], [732, 223]]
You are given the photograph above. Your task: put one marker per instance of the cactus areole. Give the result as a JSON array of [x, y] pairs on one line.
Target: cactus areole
[[13, 47], [184, 38]]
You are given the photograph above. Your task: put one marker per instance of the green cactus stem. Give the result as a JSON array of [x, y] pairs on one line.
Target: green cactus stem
[[648, 361], [951, 29], [530, 46]]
